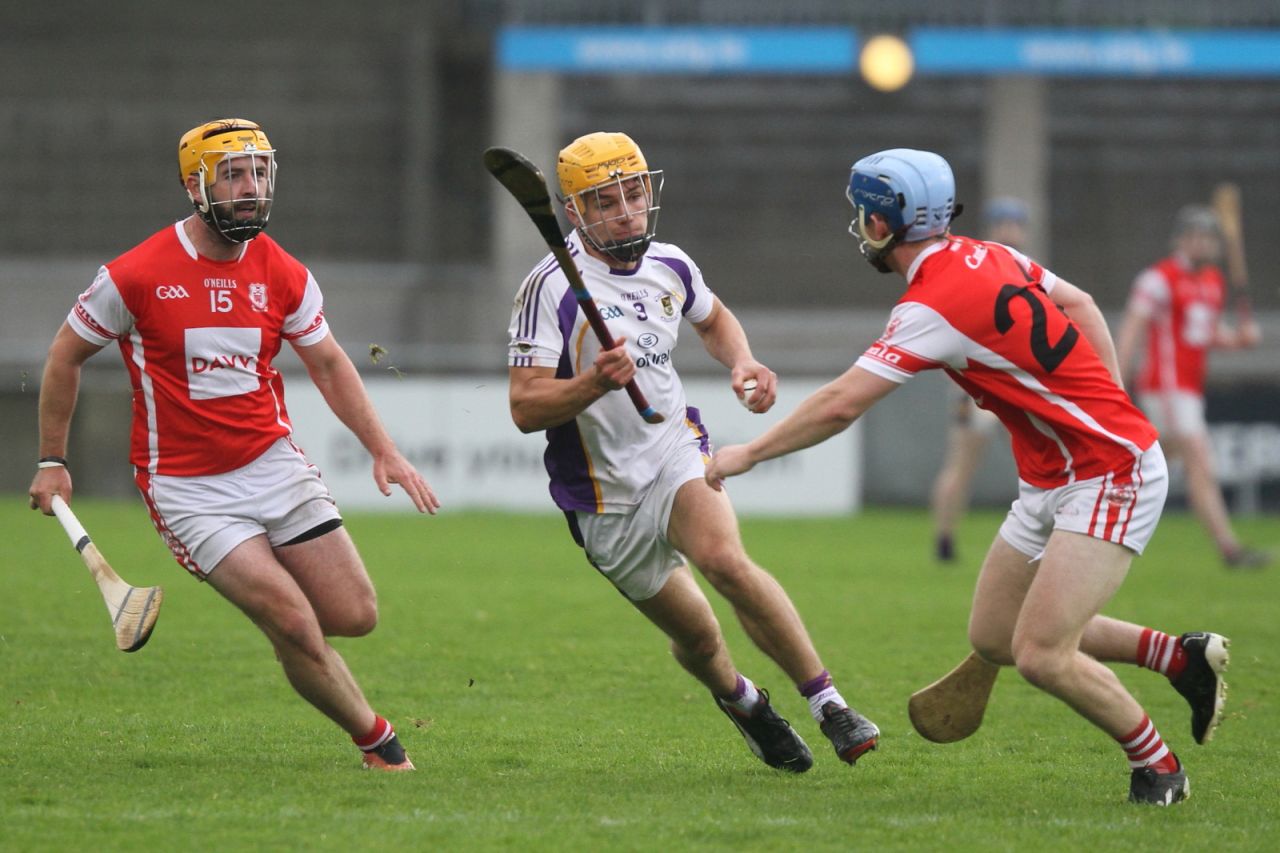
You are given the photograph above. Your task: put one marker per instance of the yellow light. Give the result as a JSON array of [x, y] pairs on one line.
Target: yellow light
[[886, 63]]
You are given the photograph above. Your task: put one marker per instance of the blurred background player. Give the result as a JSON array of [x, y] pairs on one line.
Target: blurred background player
[[1092, 478], [971, 428], [199, 310], [632, 492], [1176, 309]]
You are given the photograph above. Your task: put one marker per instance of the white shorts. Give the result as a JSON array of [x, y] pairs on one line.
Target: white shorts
[[202, 519], [1121, 507], [1174, 412], [631, 548]]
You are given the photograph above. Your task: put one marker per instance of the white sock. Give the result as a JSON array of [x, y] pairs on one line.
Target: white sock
[[817, 700], [750, 695]]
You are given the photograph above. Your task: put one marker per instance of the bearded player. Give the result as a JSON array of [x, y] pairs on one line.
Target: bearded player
[[633, 493], [1034, 350], [199, 311]]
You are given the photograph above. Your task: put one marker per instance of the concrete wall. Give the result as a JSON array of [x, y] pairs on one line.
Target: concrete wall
[[903, 441]]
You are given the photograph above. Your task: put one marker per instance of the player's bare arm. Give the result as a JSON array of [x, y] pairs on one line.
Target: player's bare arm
[[540, 401], [1084, 312], [340, 384], [59, 388], [726, 341], [824, 413], [1129, 340]]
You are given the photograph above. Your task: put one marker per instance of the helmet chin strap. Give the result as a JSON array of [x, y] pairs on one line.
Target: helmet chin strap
[[626, 251], [874, 251], [229, 229]]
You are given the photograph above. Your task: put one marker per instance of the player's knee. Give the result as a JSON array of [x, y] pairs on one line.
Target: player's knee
[[991, 648], [356, 619], [1043, 666], [726, 568], [700, 647], [364, 620], [294, 631]]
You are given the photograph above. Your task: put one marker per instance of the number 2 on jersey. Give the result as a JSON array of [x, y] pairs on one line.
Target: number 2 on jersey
[[1049, 355]]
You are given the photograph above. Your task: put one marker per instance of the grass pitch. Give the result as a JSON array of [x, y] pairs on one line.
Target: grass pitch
[[544, 713]]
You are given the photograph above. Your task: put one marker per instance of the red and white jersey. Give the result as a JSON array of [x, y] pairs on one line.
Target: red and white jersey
[[1183, 307], [982, 312], [198, 337]]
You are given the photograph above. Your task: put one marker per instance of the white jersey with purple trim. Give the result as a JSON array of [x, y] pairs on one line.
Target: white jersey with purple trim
[[607, 458]]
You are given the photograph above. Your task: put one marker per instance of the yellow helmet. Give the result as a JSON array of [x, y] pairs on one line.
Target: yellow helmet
[[221, 137], [605, 159], [591, 160], [202, 148]]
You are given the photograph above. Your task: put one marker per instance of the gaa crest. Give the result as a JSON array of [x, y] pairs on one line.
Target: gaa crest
[[668, 307], [1120, 496], [258, 296]]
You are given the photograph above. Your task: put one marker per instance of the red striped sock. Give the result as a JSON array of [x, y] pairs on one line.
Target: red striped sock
[[377, 736], [1145, 748], [1161, 653]]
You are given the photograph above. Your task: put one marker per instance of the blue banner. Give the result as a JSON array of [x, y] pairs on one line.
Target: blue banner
[[678, 50], [1111, 53]]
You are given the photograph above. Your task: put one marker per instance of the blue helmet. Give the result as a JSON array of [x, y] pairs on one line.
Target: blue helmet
[[914, 191]]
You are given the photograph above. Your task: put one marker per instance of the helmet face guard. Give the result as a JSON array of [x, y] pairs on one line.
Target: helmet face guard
[[870, 195], [236, 167], [244, 212], [636, 194]]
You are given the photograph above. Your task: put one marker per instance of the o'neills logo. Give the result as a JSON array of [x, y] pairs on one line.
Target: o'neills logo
[[258, 296]]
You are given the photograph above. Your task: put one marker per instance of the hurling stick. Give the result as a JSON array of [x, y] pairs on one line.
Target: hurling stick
[[524, 181], [951, 708], [1227, 205], [133, 609]]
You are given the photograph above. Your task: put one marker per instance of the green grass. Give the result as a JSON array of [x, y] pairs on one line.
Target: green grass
[[544, 713]]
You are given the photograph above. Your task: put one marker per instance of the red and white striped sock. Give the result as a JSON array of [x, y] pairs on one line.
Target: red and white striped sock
[[1145, 748], [377, 736], [1161, 653]]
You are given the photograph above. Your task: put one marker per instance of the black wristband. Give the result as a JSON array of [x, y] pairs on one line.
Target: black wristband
[[51, 462]]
